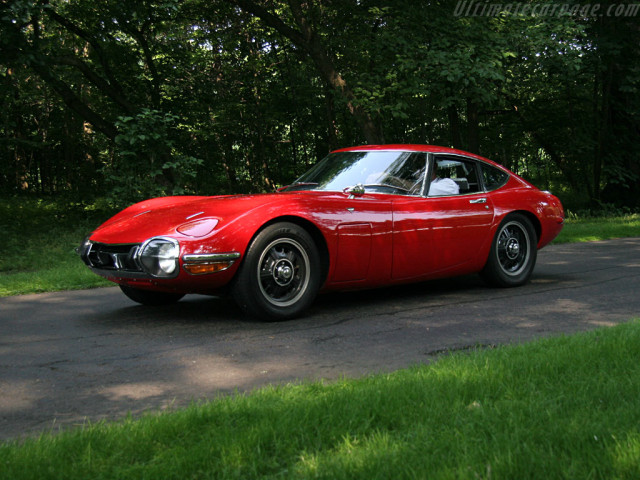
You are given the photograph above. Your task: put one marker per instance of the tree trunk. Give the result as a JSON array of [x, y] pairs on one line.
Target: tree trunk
[[473, 125], [454, 126], [332, 130]]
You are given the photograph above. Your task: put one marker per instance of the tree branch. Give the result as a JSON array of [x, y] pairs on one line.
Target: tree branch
[[148, 58], [91, 40], [307, 39], [96, 79], [74, 103], [20, 49]]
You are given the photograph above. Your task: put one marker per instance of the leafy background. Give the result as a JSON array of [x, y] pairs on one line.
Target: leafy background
[[118, 101]]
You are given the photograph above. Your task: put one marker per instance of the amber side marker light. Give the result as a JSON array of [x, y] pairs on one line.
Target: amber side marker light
[[204, 268], [201, 264]]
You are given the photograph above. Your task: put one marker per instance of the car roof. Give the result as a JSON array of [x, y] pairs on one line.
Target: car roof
[[411, 148]]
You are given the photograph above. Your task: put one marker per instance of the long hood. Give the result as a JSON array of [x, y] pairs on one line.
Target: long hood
[[178, 217]]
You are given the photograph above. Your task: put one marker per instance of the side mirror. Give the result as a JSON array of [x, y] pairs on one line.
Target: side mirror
[[355, 191]]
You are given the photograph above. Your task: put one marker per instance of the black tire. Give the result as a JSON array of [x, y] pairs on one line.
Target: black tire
[[150, 297], [280, 274], [513, 252]]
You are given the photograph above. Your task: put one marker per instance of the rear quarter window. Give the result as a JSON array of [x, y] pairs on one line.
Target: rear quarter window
[[492, 177]]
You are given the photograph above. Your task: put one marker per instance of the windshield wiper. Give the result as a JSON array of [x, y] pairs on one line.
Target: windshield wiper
[[385, 185], [298, 184]]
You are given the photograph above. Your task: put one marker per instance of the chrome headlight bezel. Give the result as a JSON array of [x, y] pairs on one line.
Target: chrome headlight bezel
[[159, 257], [84, 248]]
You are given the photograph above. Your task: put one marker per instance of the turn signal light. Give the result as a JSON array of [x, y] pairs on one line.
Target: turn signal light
[[204, 268]]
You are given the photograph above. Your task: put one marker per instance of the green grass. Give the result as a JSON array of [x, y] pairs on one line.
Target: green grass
[[37, 253], [579, 229], [566, 407]]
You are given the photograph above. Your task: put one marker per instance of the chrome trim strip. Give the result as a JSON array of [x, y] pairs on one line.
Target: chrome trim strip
[[194, 215], [210, 257], [113, 244]]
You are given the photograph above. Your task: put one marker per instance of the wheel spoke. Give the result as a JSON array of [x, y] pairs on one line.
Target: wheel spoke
[[274, 254]]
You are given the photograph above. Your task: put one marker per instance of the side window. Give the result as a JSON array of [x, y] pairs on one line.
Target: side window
[[404, 176], [409, 173], [453, 176], [493, 178]]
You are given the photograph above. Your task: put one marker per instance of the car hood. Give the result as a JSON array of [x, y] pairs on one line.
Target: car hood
[[185, 216], [196, 217]]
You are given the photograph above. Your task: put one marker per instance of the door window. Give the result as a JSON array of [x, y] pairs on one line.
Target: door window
[[453, 176]]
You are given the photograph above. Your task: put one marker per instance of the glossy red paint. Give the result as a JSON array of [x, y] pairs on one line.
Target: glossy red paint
[[364, 241]]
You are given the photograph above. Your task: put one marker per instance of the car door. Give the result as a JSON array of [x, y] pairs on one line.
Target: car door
[[361, 237], [364, 241], [445, 233]]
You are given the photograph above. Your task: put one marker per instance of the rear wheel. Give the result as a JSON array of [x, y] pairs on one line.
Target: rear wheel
[[280, 275], [150, 297], [513, 252]]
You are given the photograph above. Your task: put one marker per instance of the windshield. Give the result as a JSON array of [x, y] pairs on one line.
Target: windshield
[[378, 171]]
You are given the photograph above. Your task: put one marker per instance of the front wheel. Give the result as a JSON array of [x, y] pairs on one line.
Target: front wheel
[[150, 297], [513, 252], [280, 275]]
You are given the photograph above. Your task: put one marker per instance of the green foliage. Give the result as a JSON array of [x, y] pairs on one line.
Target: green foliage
[[564, 407], [236, 100], [146, 162]]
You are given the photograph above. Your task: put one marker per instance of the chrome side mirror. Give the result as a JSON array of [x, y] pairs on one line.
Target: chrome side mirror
[[355, 191]]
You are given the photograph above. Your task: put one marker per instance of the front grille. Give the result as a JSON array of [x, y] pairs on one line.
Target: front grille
[[113, 257]]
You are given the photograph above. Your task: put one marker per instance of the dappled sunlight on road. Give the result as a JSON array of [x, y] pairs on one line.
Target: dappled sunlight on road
[[24, 395], [136, 391], [71, 357]]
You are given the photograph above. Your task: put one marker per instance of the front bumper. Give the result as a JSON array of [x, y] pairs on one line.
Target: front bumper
[[123, 261]]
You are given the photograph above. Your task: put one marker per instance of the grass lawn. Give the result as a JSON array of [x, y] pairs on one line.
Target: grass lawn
[[566, 407], [599, 228], [37, 253]]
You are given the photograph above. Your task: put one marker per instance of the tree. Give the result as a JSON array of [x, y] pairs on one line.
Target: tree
[[307, 37], [155, 97]]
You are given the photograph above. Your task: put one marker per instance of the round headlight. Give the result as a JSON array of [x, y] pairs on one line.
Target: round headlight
[[159, 256]]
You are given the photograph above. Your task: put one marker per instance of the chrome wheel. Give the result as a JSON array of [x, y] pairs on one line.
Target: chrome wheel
[[513, 252], [513, 248], [280, 274], [284, 272]]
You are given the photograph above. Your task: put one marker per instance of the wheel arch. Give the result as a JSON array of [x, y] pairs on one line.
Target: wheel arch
[[537, 226], [311, 229]]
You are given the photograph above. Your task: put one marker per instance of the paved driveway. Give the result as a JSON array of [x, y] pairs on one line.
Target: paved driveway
[[71, 356]]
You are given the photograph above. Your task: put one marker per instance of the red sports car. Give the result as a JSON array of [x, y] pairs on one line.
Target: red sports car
[[362, 217]]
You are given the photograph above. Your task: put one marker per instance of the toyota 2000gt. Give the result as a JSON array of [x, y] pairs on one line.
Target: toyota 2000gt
[[363, 217]]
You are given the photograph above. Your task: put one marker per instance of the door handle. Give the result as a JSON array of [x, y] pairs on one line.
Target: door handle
[[478, 200]]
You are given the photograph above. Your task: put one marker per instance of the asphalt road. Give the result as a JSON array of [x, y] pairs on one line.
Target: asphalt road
[[71, 357]]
